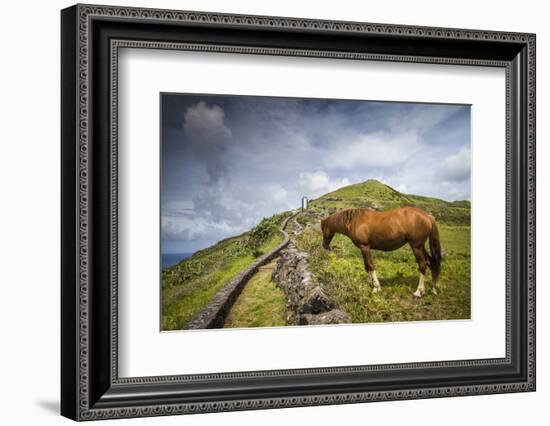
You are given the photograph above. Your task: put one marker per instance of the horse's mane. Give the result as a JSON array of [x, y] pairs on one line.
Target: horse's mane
[[345, 217]]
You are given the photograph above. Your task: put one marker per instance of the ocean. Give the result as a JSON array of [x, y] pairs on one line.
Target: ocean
[[170, 259]]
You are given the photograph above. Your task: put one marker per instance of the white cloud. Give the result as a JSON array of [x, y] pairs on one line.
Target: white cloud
[[222, 209], [195, 227], [402, 188], [457, 166], [319, 182], [206, 122], [205, 125], [434, 174], [278, 194], [179, 207], [378, 149]]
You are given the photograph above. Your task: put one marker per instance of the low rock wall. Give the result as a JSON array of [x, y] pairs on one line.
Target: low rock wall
[[305, 297]]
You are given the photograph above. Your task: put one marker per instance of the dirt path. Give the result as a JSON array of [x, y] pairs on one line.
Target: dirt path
[[214, 313], [260, 304]]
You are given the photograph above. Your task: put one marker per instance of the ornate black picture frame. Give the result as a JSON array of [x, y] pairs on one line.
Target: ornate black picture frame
[[91, 36]]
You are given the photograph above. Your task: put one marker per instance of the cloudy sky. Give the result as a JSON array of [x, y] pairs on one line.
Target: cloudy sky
[[228, 161]]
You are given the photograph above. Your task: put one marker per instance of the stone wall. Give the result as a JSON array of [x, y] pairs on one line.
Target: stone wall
[[305, 297]]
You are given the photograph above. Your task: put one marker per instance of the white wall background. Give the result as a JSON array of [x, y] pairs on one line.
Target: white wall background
[[29, 212]]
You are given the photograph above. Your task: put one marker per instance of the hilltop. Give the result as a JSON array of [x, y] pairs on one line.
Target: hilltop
[[377, 195]]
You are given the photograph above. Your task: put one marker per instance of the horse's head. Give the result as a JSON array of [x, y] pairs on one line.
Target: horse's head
[[328, 233]]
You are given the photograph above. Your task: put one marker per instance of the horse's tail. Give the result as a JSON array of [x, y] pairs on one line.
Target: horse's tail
[[435, 249]]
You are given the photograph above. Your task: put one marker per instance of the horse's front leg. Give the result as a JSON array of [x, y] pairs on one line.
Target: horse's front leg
[[369, 266]]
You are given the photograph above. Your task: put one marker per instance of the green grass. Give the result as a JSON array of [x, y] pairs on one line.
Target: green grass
[[345, 281], [261, 303], [189, 285]]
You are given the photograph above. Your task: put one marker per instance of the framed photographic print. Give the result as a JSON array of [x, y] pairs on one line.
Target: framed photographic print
[[263, 212]]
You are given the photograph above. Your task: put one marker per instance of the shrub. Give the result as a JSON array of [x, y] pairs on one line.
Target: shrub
[[257, 236]]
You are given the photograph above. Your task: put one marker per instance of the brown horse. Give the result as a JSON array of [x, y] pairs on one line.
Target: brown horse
[[389, 230]]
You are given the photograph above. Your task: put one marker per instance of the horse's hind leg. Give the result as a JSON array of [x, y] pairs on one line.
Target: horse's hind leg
[[422, 264], [369, 266], [435, 283]]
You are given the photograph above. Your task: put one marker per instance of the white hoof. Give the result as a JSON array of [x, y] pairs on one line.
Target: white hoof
[[376, 290], [418, 293], [434, 291]]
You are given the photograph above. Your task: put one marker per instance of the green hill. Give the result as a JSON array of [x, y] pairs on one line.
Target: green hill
[[377, 195]]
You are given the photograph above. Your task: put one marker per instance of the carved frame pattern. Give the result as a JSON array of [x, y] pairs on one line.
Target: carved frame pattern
[[85, 14]]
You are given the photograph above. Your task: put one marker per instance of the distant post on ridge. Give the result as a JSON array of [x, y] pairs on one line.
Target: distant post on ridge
[[304, 203]]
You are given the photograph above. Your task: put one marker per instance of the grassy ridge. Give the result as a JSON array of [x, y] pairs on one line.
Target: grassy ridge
[[189, 285], [375, 194]]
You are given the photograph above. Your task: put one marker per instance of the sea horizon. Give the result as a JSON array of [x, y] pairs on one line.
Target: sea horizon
[[171, 259]]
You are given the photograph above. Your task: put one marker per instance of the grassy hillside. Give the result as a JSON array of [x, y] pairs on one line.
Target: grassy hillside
[[348, 285], [375, 194], [190, 284]]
